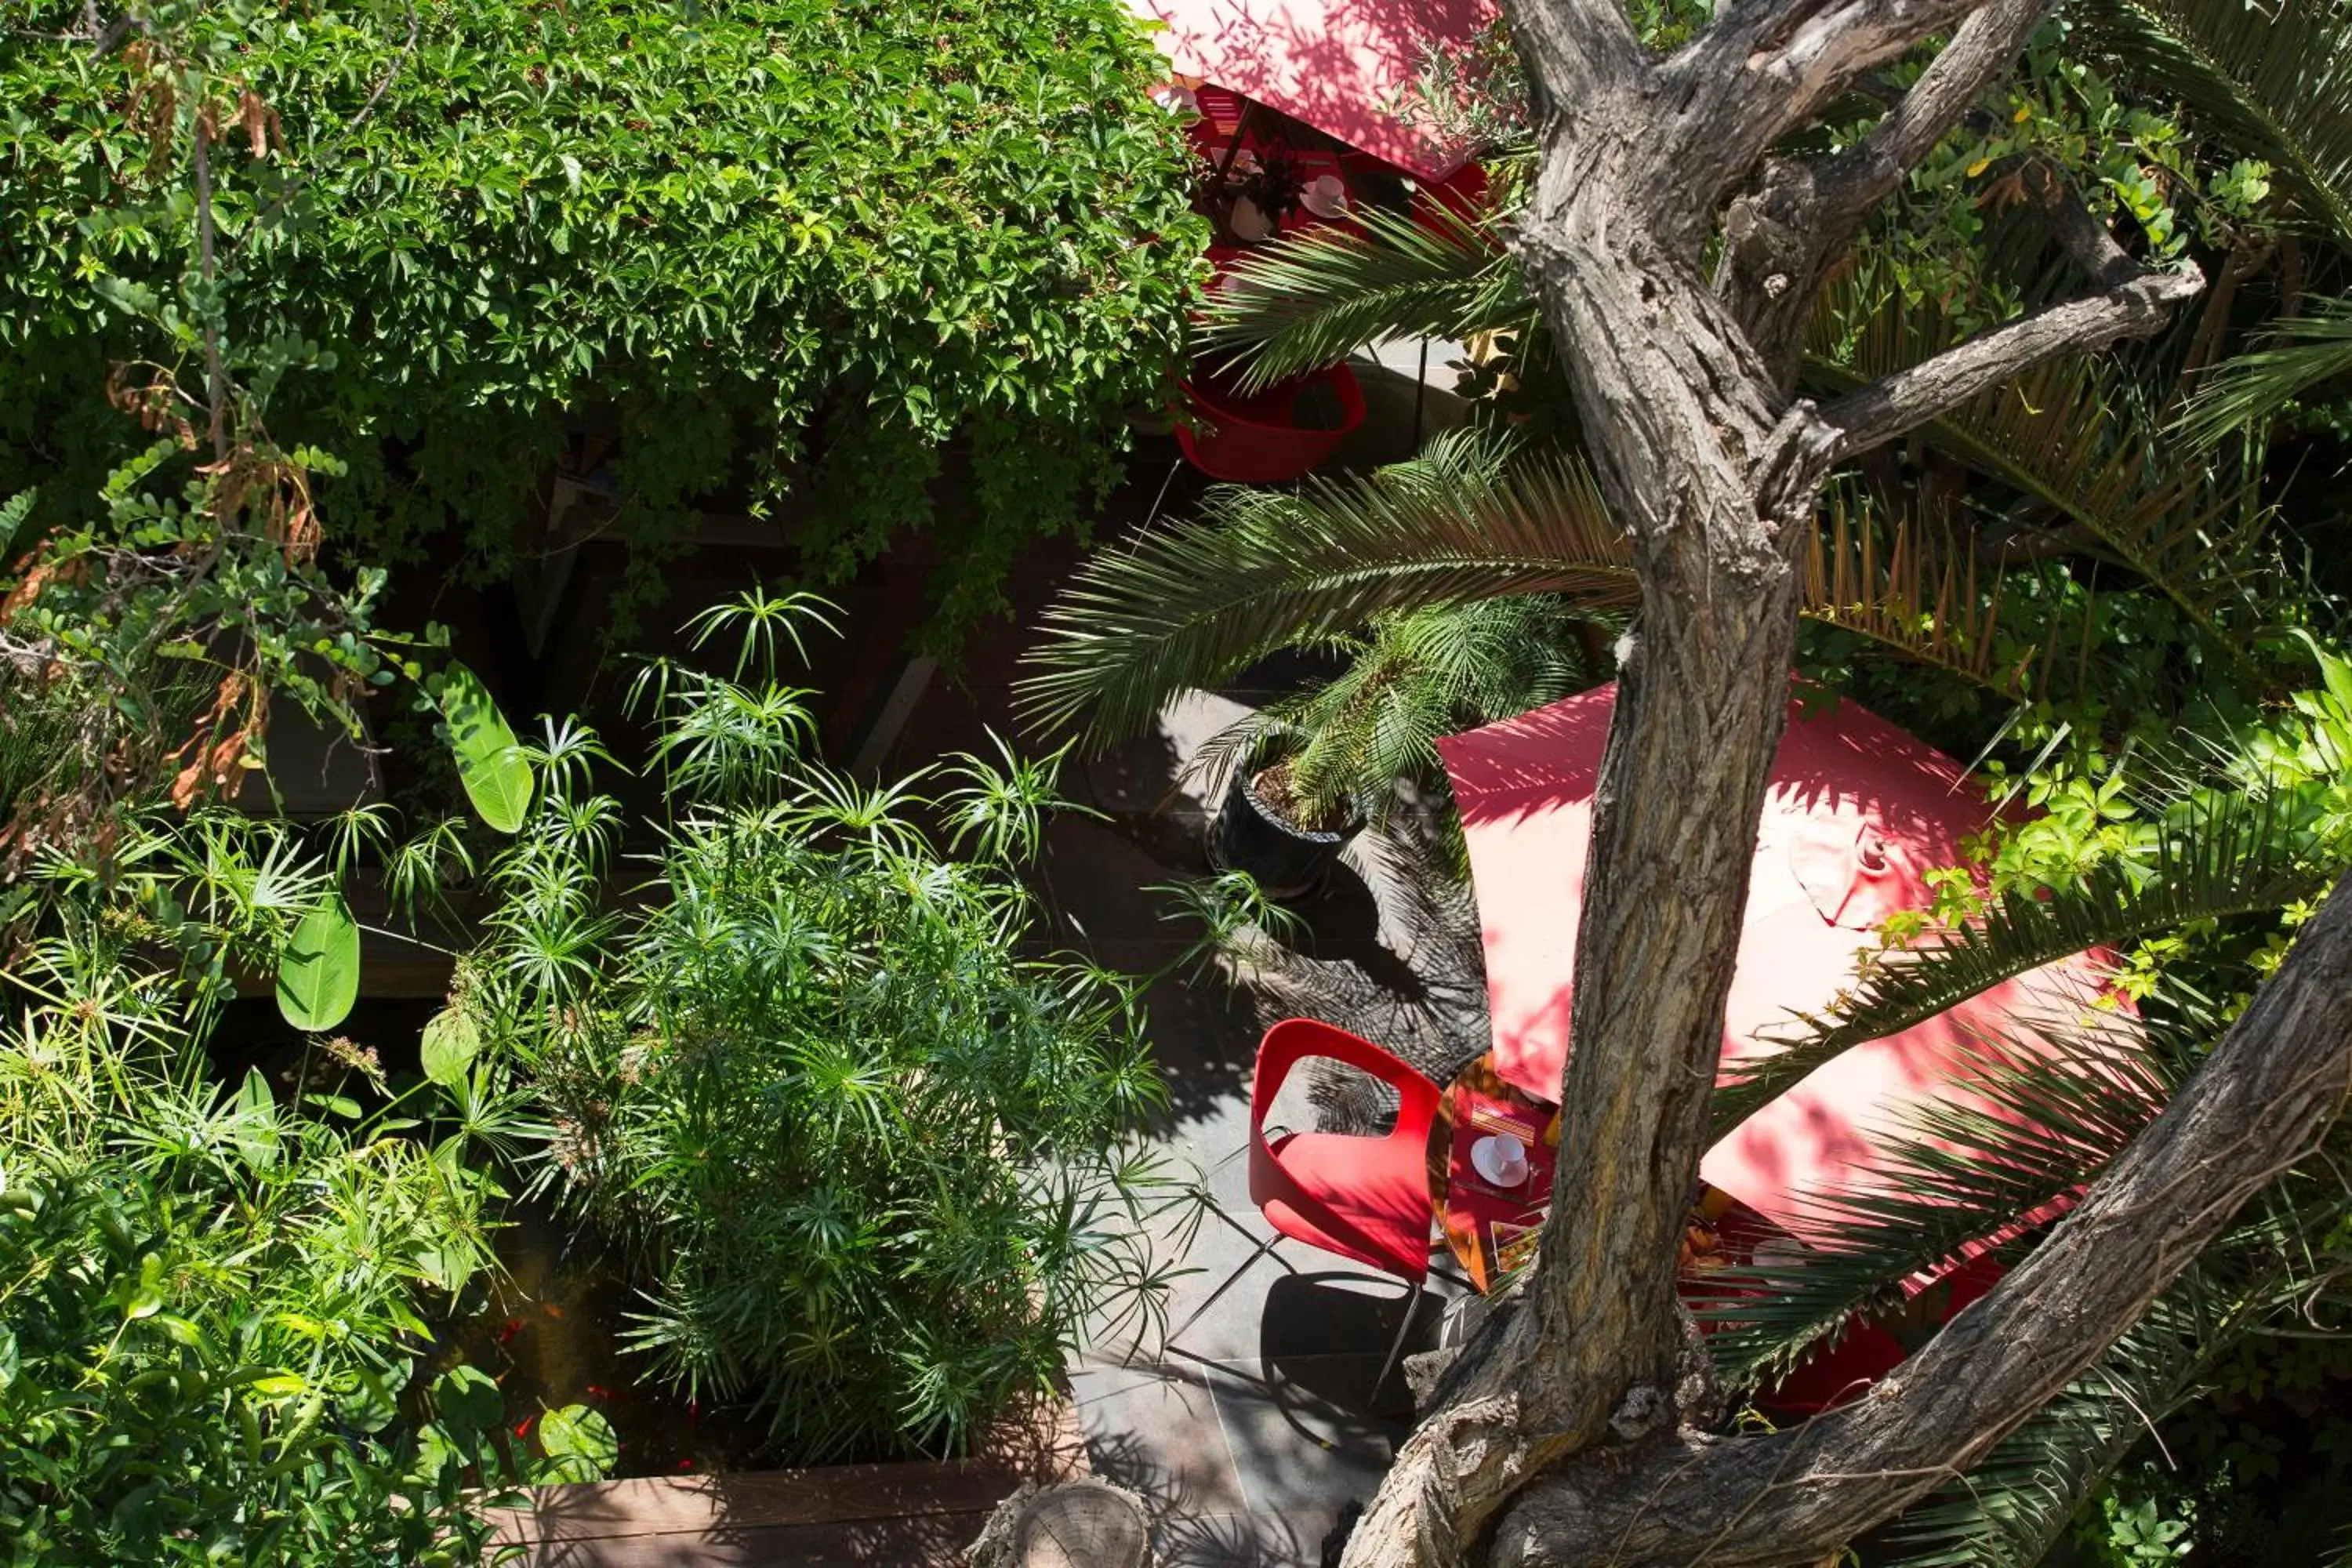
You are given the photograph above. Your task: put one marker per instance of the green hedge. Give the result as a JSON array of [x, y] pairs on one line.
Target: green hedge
[[815, 241]]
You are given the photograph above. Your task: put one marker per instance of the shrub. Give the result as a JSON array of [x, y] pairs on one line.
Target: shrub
[[209, 1301], [863, 1150], [833, 237], [214, 1302]]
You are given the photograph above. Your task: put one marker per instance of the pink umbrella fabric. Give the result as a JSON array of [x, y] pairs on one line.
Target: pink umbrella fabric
[[1857, 813], [1341, 65]]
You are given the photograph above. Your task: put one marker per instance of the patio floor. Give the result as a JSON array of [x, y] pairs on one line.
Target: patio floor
[[1256, 1424]]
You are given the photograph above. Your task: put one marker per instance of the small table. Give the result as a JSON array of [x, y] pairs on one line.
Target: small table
[[1491, 1229]]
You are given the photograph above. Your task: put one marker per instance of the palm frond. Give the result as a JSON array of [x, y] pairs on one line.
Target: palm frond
[[2033, 1117], [2012, 1506], [1420, 674], [2078, 441], [2272, 79], [1889, 581], [2222, 855], [2298, 353], [1196, 602], [1311, 300]]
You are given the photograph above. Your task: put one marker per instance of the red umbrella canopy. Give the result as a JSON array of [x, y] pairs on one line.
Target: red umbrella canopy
[[1857, 813], [1341, 65]]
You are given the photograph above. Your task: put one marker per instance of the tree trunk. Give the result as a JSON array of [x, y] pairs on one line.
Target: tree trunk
[[1576, 1403], [1715, 488]]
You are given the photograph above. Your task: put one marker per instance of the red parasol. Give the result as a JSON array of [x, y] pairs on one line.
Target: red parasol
[[1342, 66], [1857, 811]]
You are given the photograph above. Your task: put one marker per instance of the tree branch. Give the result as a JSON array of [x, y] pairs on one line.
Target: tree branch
[[1781, 237], [2259, 1106], [1760, 70], [1909, 399], [1986, 46]]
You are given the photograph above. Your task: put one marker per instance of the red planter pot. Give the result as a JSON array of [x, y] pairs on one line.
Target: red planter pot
[[1256, 439]]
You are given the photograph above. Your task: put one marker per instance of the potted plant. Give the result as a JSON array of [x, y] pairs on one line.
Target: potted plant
[[1281, 821], [1358, 741]]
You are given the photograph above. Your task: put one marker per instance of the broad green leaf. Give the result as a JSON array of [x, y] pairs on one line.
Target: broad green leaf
[[279, 1384], [319, 975], [256, 1121], [490, 763], [451, 1042], [469, 1402], [580, 1443]]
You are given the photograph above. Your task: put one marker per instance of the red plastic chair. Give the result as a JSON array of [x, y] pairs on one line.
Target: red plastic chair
[[1364, 1199]]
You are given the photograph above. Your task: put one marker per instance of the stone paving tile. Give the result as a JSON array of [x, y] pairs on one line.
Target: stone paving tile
[[1299, 1455], [1233, 1541], [1154, 1430]]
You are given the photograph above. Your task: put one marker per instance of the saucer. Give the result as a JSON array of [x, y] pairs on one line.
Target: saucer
[[1501, 1158]]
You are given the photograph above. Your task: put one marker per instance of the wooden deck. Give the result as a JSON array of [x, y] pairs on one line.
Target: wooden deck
[[902, 1515]]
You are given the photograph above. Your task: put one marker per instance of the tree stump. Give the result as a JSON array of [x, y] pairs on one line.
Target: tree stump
[[1078, 1524]]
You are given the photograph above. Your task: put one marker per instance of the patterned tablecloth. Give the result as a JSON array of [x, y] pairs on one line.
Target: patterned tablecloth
[[1492, 1229]]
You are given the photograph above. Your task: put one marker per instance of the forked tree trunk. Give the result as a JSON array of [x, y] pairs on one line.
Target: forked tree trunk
[[1715, 488], [1574, 1429]]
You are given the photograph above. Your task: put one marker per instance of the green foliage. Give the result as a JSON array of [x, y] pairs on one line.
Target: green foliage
[[825, 239], [138, 1429], [2136, 1536], [2060, 125], [2299, 355], [213, 1301], [863, 1150], [2268, 79]]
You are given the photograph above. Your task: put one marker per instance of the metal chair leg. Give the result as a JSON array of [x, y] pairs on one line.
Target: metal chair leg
[[1396, 1346]]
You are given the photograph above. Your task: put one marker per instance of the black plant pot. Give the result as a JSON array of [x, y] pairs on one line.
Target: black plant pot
[[1288, 862]]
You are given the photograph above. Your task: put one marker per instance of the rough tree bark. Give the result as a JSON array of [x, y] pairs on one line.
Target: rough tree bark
[[1571, 1430]]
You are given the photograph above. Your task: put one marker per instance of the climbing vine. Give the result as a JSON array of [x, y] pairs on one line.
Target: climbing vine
[[726, 248]]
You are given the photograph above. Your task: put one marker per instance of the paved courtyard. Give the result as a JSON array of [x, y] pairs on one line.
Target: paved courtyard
[[1255, 1423]]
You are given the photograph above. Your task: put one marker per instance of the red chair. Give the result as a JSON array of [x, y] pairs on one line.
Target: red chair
[[1364, 1199]]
